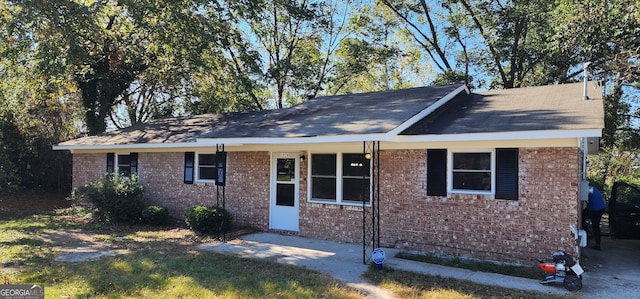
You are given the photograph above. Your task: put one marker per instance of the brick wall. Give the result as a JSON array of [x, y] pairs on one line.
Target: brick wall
[[479, 226], [162, 175], [88, 168], [464, 225], [246, 194]]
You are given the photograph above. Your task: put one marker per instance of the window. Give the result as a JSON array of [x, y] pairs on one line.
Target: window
[[348, 173], [206, 167], [355, 178], [123, 164], [471, 171], [323, 176], [491, 172]]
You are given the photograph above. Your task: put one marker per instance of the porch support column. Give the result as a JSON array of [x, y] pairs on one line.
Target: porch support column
[[371, 207]]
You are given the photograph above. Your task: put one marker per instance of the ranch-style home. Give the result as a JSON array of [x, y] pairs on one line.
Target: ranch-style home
[[494, 175]]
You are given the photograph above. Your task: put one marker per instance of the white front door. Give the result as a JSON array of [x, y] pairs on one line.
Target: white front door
[[285, 180]]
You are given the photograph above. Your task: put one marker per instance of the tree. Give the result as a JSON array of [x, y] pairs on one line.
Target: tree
[[375, 57], [289, 36], [107, 46], [499, 39], [607, 35], [428, 27], [32, 117], [62, 59]]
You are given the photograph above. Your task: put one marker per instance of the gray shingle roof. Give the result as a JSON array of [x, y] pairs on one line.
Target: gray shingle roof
[[559, 107], [553, 107], [351, 114]]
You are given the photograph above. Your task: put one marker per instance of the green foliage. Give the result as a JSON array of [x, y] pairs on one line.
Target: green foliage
[[204, 219], [26, 158], [116, 198], [505, 41], [10, 179], [155, 215], [617, 159], [114, 52], [452, 77]]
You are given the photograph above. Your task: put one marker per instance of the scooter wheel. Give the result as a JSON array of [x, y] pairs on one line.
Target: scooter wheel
[[572, 283]]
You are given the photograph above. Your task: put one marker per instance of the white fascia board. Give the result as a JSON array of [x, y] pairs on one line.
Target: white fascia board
[[518, 135], [123, 146], [422, 114], [204, 142], [292, 140]]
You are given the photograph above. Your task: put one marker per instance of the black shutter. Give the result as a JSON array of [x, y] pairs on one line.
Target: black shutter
[[110, 162], [507, 173], [133, 163], [437, 172], [189, 161]]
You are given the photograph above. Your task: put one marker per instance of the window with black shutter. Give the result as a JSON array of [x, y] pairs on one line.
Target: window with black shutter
[[127, 164], [507, 173], [437, 172], [123, 164]]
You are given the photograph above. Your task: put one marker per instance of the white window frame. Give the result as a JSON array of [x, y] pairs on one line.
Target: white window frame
[[196, 165], [339, 181], [450, 154]]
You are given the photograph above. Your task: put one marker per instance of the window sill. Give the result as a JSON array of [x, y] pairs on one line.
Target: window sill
[[344, 203], [473, 192]]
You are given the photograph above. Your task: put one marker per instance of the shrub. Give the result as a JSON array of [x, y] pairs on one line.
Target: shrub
[[116, 198], [155, 215], [208, 219]]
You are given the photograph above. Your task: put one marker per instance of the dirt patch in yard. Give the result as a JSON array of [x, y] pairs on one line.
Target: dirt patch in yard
[[80, 239]]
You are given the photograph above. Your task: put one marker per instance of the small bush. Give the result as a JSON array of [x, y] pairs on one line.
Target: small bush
[[155, 215], [208, 219], [116, 198]]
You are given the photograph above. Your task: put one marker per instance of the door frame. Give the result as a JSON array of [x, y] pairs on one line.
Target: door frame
[[292, 214]]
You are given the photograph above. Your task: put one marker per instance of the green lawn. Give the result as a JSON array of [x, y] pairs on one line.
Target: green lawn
[[163, 263], [182, 274], [159, 266]]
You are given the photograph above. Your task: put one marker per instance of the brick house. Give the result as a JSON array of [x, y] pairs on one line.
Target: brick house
[[495, 175]]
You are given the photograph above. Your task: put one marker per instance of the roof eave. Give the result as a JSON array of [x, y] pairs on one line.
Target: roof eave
[[208, 142], [515, 135], [121, 146], [205, 142]]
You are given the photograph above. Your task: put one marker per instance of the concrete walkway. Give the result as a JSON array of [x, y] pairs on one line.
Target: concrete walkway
[[344, 262]]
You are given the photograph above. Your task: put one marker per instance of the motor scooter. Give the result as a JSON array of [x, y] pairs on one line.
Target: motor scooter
[[565, 268]]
